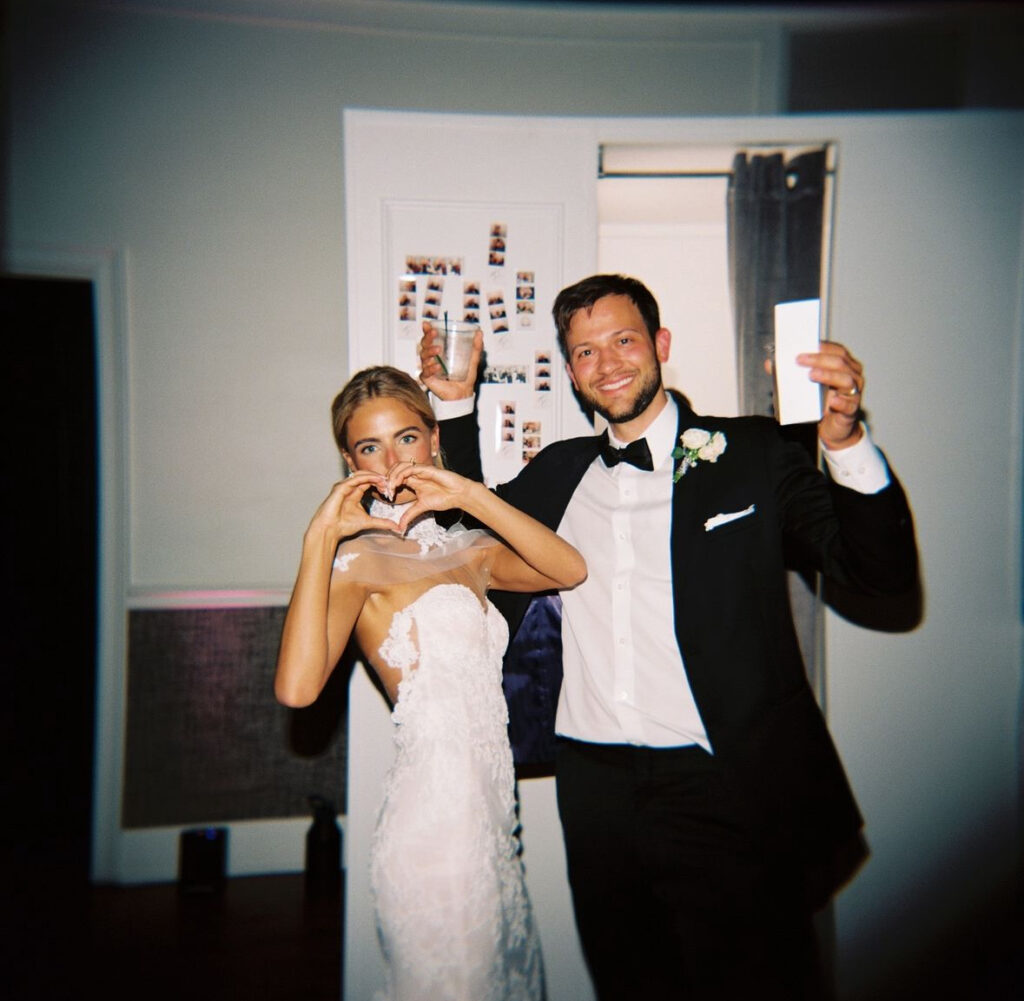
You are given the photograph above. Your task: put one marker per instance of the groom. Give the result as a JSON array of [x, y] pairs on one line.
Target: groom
[[705, 811]]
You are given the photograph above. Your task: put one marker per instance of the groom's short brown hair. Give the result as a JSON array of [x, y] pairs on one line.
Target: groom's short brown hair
[[584, 294]]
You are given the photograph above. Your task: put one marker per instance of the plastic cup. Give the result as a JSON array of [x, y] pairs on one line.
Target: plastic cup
[[455, 344]]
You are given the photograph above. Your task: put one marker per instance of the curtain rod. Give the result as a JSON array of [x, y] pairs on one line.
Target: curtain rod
[[603, 174]]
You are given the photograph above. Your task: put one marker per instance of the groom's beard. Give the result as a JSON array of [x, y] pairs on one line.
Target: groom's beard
[[630, 411]]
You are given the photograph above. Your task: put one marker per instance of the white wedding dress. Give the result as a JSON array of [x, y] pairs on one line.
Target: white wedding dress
[[453, 915]]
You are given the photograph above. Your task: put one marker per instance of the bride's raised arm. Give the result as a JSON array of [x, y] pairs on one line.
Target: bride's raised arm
[[534, 558], [323, 610]]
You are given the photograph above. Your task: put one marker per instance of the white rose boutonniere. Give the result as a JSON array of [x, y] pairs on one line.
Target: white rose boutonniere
[[697, 445]]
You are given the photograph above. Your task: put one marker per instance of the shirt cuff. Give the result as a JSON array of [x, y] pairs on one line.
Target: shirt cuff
[[859, 467], [445, 410]]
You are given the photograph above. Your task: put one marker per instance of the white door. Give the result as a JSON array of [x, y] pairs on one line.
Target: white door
[[451, 212]]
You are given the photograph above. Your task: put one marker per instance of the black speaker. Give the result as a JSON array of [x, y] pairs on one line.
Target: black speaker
[[202, 859]]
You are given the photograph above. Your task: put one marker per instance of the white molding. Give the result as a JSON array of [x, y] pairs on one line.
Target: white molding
[[150, 598], [254, 847], [529, 19], [751, 36]]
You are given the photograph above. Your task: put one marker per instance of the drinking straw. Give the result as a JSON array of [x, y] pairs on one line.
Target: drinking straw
[[440, 360]]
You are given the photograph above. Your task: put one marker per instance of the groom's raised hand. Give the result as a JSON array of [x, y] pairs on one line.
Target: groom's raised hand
[[432, 374], [842, 375]]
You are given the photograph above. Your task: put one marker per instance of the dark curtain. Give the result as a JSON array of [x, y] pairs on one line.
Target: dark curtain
[[775, 211]]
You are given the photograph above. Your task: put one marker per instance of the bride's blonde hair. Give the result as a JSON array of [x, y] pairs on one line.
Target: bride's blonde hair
[[374, 383]]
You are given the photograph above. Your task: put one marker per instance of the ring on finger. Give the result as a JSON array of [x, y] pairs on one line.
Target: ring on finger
[[855, 391]]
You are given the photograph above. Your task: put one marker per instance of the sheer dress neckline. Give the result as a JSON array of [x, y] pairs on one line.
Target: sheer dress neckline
[[426, 552]]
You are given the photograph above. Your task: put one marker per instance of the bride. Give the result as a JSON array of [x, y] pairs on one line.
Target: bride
[[452, 912]]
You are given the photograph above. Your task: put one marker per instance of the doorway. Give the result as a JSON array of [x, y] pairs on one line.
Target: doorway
[[662, 213], [50, 573]]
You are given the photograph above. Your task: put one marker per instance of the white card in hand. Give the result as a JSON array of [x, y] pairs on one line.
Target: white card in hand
[[797, 330]]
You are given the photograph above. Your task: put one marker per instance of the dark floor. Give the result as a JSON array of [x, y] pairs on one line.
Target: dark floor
[[260, 938], [263, 938]]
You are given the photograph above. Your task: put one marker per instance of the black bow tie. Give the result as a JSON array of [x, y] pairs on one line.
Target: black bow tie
[[636, 453]]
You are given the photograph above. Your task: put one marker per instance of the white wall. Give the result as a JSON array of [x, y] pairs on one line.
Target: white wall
[[204, 156], [928, 722]]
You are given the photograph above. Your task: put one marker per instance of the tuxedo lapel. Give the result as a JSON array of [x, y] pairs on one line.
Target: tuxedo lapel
[[574, 466], [546, 485], [685, 497]]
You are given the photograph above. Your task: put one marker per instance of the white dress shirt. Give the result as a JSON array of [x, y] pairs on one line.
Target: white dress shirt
[[624, 678], [624, 681]]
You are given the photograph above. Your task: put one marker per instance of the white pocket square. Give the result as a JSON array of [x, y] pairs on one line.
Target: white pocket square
[[723, 519]]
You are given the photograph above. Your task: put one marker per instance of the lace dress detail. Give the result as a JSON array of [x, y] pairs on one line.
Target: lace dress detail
[[453, 915]]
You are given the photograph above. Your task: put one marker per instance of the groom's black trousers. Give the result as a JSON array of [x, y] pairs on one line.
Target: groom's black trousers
[[675, 896]]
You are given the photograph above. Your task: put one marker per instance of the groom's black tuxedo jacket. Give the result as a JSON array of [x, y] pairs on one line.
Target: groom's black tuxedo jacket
[[732, 615]]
